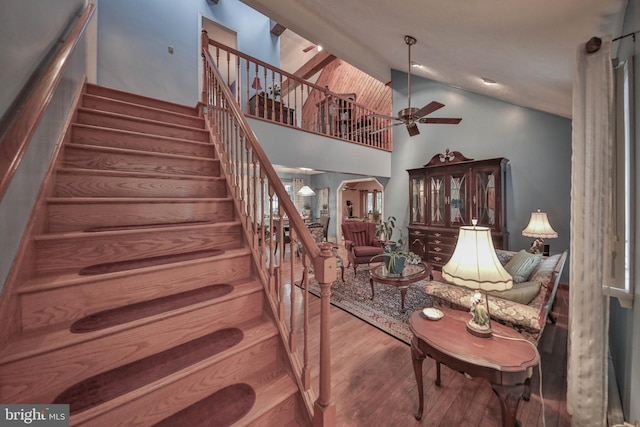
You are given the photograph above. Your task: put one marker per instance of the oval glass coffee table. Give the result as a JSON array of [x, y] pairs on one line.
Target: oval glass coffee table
[[412, 273]]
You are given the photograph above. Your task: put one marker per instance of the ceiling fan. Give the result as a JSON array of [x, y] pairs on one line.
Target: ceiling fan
[[411, 116]]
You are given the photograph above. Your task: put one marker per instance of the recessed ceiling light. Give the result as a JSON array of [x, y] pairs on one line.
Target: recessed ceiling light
[[318, 48], [305, 169], [414, 65], [488, 81]]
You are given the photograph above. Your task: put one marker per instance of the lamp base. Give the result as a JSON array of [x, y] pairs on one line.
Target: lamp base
[[480, 331]]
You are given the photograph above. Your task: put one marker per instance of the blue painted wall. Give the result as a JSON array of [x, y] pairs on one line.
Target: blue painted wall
[[134, 36], [537, 144], [29, 30]]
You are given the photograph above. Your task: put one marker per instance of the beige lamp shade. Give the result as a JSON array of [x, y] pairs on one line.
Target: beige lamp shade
[[539, 226], [474, 263]]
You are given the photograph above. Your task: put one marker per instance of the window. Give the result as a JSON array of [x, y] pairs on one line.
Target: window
[[373, 201], [621, 281]]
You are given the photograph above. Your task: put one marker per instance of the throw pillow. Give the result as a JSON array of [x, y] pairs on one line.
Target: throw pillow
[[522, 293], [521, 265]]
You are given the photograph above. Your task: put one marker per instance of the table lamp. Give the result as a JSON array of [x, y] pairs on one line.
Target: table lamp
[[475, 265], [256, 83], [540, 229]]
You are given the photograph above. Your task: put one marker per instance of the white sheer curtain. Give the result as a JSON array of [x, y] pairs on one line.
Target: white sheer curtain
[[298, 200], [591, 201]]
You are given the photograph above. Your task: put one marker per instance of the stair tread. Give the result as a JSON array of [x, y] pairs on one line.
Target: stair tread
[[102, 200], [145, 262], [57, 280], [267, 395], [129, 377], [142, 134], [140, 119], [270, 382], [115, 150], [136, 174], [141, 106], [91, 87], [83, 235], [42, 341]]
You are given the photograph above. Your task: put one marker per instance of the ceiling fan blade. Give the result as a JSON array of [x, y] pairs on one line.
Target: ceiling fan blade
[[429, 108], [442, 120], [413, 129], [382, 116]]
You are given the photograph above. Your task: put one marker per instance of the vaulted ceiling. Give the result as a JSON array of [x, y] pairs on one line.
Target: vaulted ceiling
[[526, 47]]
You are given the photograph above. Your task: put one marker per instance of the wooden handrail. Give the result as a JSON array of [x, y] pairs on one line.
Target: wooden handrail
[[14, 143], [252, 179], [322, 110]]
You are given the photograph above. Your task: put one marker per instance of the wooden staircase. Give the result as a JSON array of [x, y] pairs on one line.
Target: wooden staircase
[[137, 180]]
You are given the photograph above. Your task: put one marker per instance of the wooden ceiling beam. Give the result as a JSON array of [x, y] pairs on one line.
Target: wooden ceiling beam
[[277, 28], [311, 67]]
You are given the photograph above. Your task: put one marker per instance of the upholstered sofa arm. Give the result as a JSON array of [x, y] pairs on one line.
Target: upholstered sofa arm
[[528, 319]]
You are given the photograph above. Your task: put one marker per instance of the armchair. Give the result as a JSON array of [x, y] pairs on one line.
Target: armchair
[[361, 242]]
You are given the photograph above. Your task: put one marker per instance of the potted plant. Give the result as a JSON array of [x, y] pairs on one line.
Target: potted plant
[[384, 230], [376, 216], [396, 261]]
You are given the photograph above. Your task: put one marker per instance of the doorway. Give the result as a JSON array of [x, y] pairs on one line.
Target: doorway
[[229, 37], [364, 195]]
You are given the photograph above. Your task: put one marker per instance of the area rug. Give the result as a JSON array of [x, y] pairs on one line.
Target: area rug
[[354, 296]]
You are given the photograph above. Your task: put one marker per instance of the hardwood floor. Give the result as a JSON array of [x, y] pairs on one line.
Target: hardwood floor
[[373, 383]]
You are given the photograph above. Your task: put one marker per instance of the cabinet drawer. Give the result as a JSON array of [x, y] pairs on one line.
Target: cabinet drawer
[[447, 240]]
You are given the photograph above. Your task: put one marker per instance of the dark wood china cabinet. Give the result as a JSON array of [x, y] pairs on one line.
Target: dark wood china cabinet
[[447, 193]]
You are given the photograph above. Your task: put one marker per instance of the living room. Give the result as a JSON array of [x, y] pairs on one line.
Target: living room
[[537, 144]]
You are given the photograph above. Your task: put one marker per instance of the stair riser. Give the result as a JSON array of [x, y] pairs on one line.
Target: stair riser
[[81, 250], [114, 106], [69, 303], [282, 415], [103, 185], [97, 118], [138, 141], [42, 377], [164, 402], [64, 217], [76, 157], [140, 100]]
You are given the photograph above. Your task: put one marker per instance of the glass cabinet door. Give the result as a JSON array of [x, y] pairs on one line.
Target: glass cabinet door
[[436, 200], [486, 203], [457, 199], [417, 200]]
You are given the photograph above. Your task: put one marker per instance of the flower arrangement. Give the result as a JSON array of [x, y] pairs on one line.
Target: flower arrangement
[[274, 91]]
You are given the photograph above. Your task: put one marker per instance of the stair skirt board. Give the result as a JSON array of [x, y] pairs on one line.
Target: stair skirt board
[[132, 264], [142, 226], [118, 316], [222, 408], [108, 385]]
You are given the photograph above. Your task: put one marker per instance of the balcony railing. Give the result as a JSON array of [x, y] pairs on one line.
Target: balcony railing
[[272, 94]]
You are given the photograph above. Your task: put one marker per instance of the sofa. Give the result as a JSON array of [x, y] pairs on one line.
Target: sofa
[[527, 306]]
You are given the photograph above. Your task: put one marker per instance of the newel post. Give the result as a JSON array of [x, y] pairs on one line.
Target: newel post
[[324, 410]]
